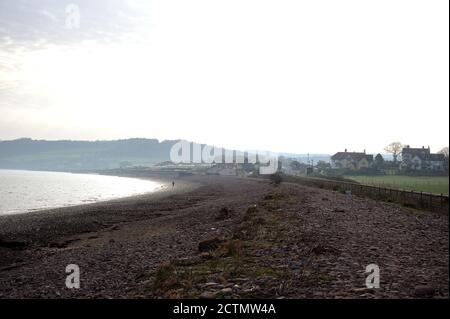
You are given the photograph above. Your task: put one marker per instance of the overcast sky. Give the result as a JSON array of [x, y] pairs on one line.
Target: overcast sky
[[288, 76]]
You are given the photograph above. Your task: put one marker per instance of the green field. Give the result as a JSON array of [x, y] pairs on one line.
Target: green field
[[426, 184]]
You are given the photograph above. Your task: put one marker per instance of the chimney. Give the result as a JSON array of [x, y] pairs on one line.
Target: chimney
[[364, 151]]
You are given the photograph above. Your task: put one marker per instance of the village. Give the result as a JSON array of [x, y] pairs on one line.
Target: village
[[412, 160], [408, 161], [401, 167]]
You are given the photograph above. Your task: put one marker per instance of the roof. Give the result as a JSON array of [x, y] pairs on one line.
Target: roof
[[352, 155], [423, 153], [415, 151], [437, 157]]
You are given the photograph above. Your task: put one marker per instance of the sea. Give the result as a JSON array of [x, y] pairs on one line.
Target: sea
[[22, 192]]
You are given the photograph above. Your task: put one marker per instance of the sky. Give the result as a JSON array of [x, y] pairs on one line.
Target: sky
[[286, 76]]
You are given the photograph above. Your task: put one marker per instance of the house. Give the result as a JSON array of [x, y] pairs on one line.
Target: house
[[419, 159], [351, 160]]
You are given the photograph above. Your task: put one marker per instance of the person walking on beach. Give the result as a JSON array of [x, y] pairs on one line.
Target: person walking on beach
[[173, 184]]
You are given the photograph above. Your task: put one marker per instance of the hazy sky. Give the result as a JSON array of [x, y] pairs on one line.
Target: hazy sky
[[292, 76]]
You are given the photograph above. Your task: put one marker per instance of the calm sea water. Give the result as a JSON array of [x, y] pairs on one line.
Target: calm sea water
[[25, 191]]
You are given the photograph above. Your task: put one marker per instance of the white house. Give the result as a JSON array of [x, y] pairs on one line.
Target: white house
[[351, 160], [421, 159]]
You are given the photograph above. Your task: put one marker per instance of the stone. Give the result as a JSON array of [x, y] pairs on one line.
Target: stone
[[318, 294], [226, 291], [208, 295], [209, 244], [223, 214], [424, 291]]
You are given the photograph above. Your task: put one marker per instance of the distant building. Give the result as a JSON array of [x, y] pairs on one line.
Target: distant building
[[351, 160], [223, 170], [420, 159]]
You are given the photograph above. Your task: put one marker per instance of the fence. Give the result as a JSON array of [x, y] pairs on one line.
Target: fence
[[412, 199]]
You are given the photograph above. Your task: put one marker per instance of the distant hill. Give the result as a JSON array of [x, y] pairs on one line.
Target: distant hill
[[81, 155], [67, 155]]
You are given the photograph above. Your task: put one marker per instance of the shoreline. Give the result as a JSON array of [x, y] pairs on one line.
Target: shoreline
[[164, 186], [316, 241], [22, 225]]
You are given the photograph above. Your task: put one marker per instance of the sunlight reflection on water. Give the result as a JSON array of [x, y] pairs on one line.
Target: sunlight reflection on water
[[25, 191]]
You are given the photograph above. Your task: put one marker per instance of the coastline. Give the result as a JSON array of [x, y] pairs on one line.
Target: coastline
[[317, 242], [164, 186], [83, 214]]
